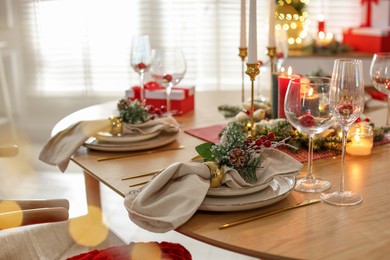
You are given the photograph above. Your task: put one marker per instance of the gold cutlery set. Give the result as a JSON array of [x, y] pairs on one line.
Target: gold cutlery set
[[224, 226]]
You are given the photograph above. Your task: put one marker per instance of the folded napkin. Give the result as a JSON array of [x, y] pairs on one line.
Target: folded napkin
[[174, 195], [59, 149]]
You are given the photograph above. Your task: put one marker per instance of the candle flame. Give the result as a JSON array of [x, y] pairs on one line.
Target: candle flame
[[289, 71], [321, 35], [282, 69], [329, 35], [310, 93], [357, 138]]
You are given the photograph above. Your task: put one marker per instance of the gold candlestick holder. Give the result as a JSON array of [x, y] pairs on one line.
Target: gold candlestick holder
[[252, 70], [242, 52], [271, 54]]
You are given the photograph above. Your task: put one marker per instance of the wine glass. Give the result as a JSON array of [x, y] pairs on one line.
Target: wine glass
[[140, 58], [168, 69], [380, 76], [347, 104], [306, 108]]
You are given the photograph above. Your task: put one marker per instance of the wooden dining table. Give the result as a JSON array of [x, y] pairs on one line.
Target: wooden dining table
[[318, 231]]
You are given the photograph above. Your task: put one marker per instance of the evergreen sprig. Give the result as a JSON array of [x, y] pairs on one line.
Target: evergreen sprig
[[132, 112], [239, 151]]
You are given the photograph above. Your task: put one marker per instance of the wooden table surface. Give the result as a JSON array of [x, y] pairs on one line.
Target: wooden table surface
[[318, 231]]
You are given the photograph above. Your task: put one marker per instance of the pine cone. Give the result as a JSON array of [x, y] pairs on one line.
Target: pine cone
[[237, 157]]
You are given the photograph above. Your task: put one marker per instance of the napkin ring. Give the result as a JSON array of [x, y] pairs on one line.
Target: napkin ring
[[116, 125], [216, 174]]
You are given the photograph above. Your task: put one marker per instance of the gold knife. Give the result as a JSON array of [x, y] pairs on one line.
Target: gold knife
[[262, 215], [139, 153]]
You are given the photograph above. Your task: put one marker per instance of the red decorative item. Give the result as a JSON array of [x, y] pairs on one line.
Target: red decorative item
[[267, 143], [182, 98], [367, 22], [167, 78], [271, 135], [321, 26], [307, 121], [141, 65], [169, 250], [345, 110]]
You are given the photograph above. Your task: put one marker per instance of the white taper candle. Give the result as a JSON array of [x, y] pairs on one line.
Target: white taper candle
[[252, 46], [271, 37], [243, 25]]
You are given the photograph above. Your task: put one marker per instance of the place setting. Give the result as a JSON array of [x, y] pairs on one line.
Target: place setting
[[135, 128], [138, 127]]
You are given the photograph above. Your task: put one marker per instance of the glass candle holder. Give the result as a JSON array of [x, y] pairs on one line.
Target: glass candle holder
[[361, 136]]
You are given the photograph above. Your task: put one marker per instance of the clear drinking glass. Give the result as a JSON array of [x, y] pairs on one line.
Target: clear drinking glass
[[380, 76], [140, 58], [168, 69], [306, 107], [346, 104]]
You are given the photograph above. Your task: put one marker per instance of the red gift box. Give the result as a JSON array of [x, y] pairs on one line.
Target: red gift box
[[182, 98], [368, 39]]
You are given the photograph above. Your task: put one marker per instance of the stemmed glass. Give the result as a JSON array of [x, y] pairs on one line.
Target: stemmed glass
[[168, 69], [380, 76], [306, 108], [140, 58], [346, 104]]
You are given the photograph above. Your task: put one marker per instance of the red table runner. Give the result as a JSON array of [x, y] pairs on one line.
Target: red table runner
[[210, 134]]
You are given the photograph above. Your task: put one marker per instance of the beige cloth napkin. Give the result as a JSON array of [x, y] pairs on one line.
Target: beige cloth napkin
[[174, 195], [59, 149]]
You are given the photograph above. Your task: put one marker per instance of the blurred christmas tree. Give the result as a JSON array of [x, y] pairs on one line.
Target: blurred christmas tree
[[291, 17]]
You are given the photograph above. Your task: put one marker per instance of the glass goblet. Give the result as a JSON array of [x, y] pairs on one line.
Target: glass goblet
[[140, 58], [306, 108], [380, 76], [347, 104], [168, 69]]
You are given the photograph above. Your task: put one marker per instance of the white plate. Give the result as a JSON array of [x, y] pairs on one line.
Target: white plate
[[160, 140], [108, 137], [279, 188], [226, 191]]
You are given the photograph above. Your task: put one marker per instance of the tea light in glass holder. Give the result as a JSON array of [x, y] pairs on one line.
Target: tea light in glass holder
[[361, 139]]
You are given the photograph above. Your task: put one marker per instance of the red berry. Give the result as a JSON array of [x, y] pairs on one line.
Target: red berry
[[141, 65], [346, 110], [151, 109], [163, 109], [167, 78], [279, 55], [246, 111], [307, 121], [367, 119], [358, 120], [263, 138], [259, 142], [157, 111], [152, 117], [271, 135], [267, 143]]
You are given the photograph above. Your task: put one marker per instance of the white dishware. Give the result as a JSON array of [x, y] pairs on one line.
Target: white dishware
[[347, 104], [108, 137], [225, 191], [160, 140], [279, 188]]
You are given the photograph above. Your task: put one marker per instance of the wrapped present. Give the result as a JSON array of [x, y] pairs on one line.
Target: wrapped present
[[182, 97], [375, 13], [367, 39]]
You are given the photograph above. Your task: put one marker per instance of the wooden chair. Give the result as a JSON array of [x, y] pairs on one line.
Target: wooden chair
[[41, 229]]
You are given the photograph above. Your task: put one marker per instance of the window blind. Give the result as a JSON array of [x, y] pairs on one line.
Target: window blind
[[81, 47]]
